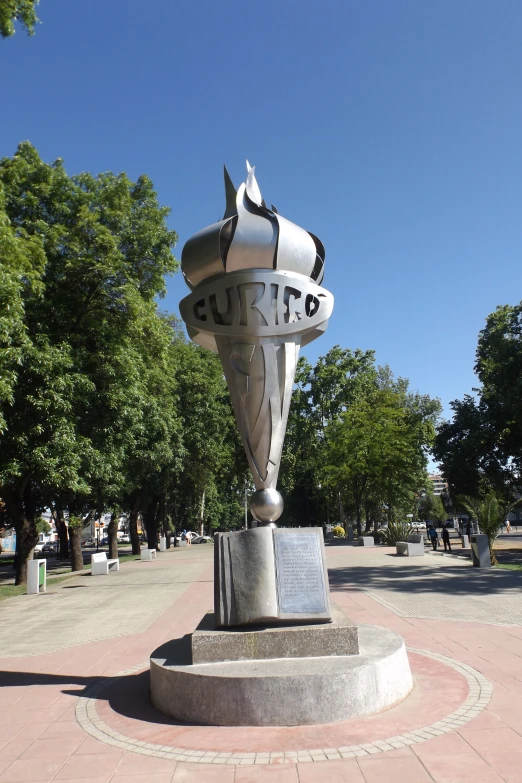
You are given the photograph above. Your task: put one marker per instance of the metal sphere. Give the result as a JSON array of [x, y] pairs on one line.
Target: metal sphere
[[266, 505]]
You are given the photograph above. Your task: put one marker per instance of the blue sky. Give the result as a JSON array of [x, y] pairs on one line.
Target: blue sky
[[392, 130]]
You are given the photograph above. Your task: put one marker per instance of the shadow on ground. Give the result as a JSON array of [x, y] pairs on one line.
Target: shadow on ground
[[127, 695], [455, 580]]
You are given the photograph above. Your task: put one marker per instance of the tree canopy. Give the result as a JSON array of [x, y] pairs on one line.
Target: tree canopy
[[22, 11], [357, 439], [480, 449], [103, 405]]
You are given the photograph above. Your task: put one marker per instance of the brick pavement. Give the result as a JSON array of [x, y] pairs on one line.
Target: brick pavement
[[43, 694]]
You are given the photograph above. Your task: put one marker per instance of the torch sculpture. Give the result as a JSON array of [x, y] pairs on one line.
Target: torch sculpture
[[289, 658], [256, 298]]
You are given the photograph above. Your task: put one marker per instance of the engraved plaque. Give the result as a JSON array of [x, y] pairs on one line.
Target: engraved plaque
[[300, 573]]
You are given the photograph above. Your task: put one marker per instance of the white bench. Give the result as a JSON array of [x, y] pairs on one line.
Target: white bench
[[100, 564], [366, 540], [412, 547], [148, 554]]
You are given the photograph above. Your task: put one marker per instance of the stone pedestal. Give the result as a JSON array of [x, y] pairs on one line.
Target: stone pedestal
[[282, 691], [274, 653], [213, 645]]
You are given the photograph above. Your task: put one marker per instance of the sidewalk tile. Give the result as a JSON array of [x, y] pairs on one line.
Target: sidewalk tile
[[462, 767], [484, 740], [102, 779], [507, 763], [196, 773], [512, 718], [136, 764], [285, 773], [93, 746], [31, 770], [394, 770], [160, 777], [93, 765], [49, 748], [331, 771], [14, 749], [67, 728], [445, 745]]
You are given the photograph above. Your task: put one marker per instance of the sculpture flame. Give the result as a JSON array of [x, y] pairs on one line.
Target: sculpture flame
[[255, 300]]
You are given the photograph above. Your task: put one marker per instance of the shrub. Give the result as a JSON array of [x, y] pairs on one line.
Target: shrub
[[396, 531], [338, 531]]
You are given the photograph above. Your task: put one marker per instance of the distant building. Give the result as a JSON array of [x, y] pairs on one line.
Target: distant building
[[438, 485]]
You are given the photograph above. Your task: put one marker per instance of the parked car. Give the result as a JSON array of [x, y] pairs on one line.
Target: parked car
[[49, 547], [195, 538], [125, 539], [39, 547], [200, 539]]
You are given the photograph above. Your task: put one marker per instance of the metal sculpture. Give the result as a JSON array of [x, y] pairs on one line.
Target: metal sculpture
[[256, 298]]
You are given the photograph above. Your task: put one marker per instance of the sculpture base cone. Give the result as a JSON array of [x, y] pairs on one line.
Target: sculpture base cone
[[260, 375]]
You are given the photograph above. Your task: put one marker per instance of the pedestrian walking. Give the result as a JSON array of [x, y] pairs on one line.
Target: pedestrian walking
[[508, 526], [446, 539], [432, 533]]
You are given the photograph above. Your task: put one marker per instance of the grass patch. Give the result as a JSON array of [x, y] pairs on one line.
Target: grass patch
[[11, 591], [509, 566]]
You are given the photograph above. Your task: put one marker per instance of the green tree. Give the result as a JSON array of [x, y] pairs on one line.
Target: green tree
[[42, 526], [464, 447], [22, 11], [490, 513], [431, 507], [209, 487], [91, 329], [499, 368], [21, 267], [480, 449], [376, 451], [321, 394]]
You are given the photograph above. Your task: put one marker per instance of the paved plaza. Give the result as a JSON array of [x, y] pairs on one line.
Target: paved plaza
[[74, 672]]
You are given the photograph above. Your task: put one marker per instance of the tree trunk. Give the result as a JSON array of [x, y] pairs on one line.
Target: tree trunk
[[26, 539], [202, 515], [21, 515], [133, 530], [62, 550], [358, 516], [75, 538], [112, 534], [151, 524]]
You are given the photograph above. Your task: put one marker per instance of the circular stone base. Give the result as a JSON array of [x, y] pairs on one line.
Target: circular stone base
[[282, 692]]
